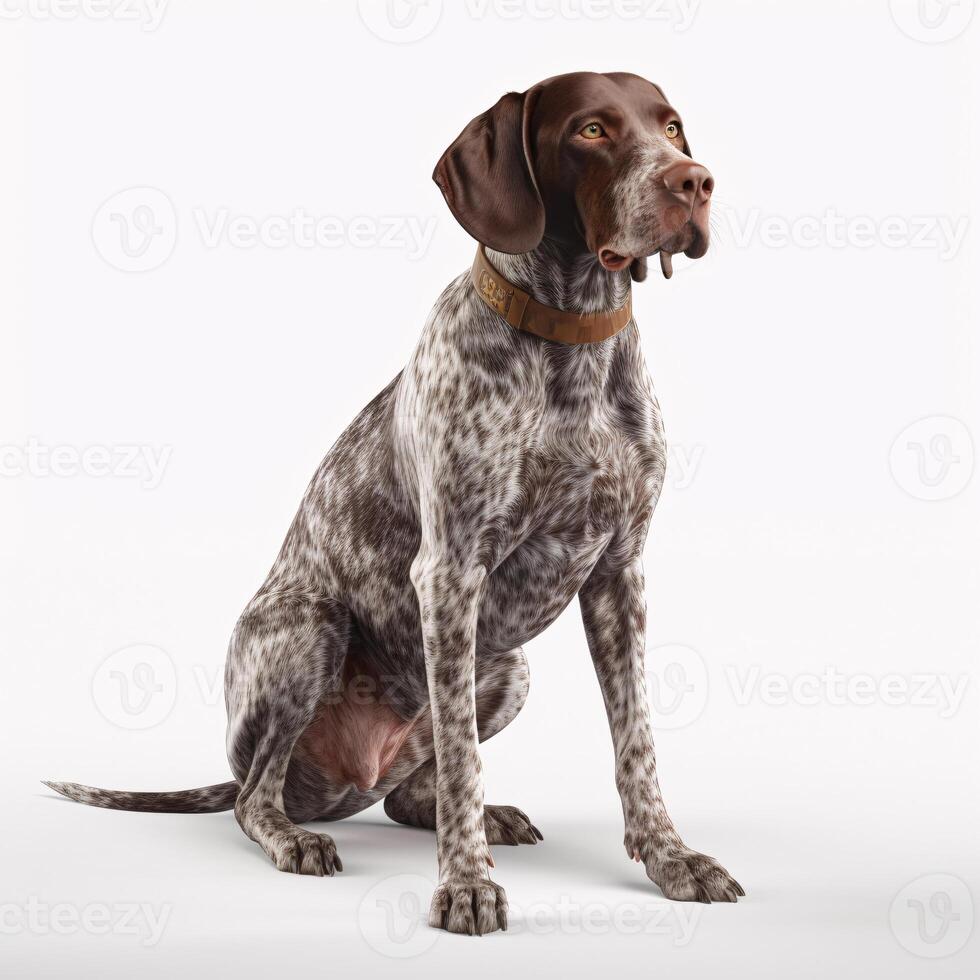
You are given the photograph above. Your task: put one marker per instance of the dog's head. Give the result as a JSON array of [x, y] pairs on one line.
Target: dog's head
[[598, 161]]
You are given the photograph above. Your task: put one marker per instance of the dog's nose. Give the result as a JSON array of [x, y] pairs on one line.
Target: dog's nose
[[691, 182]]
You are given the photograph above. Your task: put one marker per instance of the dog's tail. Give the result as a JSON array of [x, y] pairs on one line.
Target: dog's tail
[[205, 799]]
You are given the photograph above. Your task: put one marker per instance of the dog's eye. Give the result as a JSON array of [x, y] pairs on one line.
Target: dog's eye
[[673, 130], [593, 131]]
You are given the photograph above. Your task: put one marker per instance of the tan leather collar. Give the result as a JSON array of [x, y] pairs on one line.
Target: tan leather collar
[[525, 313]]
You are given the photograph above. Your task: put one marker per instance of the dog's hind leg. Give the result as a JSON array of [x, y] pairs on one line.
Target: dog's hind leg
[[286, 654], [501, 690]]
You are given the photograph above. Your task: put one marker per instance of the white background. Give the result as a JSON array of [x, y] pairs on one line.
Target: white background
[[802, 531]]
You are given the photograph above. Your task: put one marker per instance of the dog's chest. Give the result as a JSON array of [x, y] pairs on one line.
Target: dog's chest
[[597, 456], [593, 484], [580, 466]]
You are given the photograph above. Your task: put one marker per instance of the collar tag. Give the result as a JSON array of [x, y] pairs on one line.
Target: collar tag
[[523, 312], [497, 296]]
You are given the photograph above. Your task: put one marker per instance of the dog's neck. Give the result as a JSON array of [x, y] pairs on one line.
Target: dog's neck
[[577, 375], [572, 281]]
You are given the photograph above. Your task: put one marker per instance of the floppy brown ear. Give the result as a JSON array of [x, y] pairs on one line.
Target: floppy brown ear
[[487, 177]]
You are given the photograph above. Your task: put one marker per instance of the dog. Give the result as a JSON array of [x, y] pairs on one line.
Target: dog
[[512, 465]]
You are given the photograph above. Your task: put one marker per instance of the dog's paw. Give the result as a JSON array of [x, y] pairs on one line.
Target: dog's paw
[[508, 825], [306, 853], [469, 907], [685, 875]]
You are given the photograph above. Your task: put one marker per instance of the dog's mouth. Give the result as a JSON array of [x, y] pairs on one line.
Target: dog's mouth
[[692, 240], [612, 261]]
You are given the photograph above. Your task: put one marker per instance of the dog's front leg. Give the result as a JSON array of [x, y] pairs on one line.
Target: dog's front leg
[[466, 901], [614, 612]]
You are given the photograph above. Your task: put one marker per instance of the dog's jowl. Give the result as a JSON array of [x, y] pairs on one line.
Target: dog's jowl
[[513, 464]]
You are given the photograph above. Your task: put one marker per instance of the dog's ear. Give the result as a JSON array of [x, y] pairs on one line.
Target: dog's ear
[[487, 177]]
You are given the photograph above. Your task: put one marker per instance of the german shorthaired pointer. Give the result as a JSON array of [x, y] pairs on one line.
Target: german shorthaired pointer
[[514, 464]]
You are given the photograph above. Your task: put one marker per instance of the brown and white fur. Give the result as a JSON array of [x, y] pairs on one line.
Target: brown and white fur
[[495, 479]]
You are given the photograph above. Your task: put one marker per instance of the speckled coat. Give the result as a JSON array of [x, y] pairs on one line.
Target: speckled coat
[[495, 479]]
